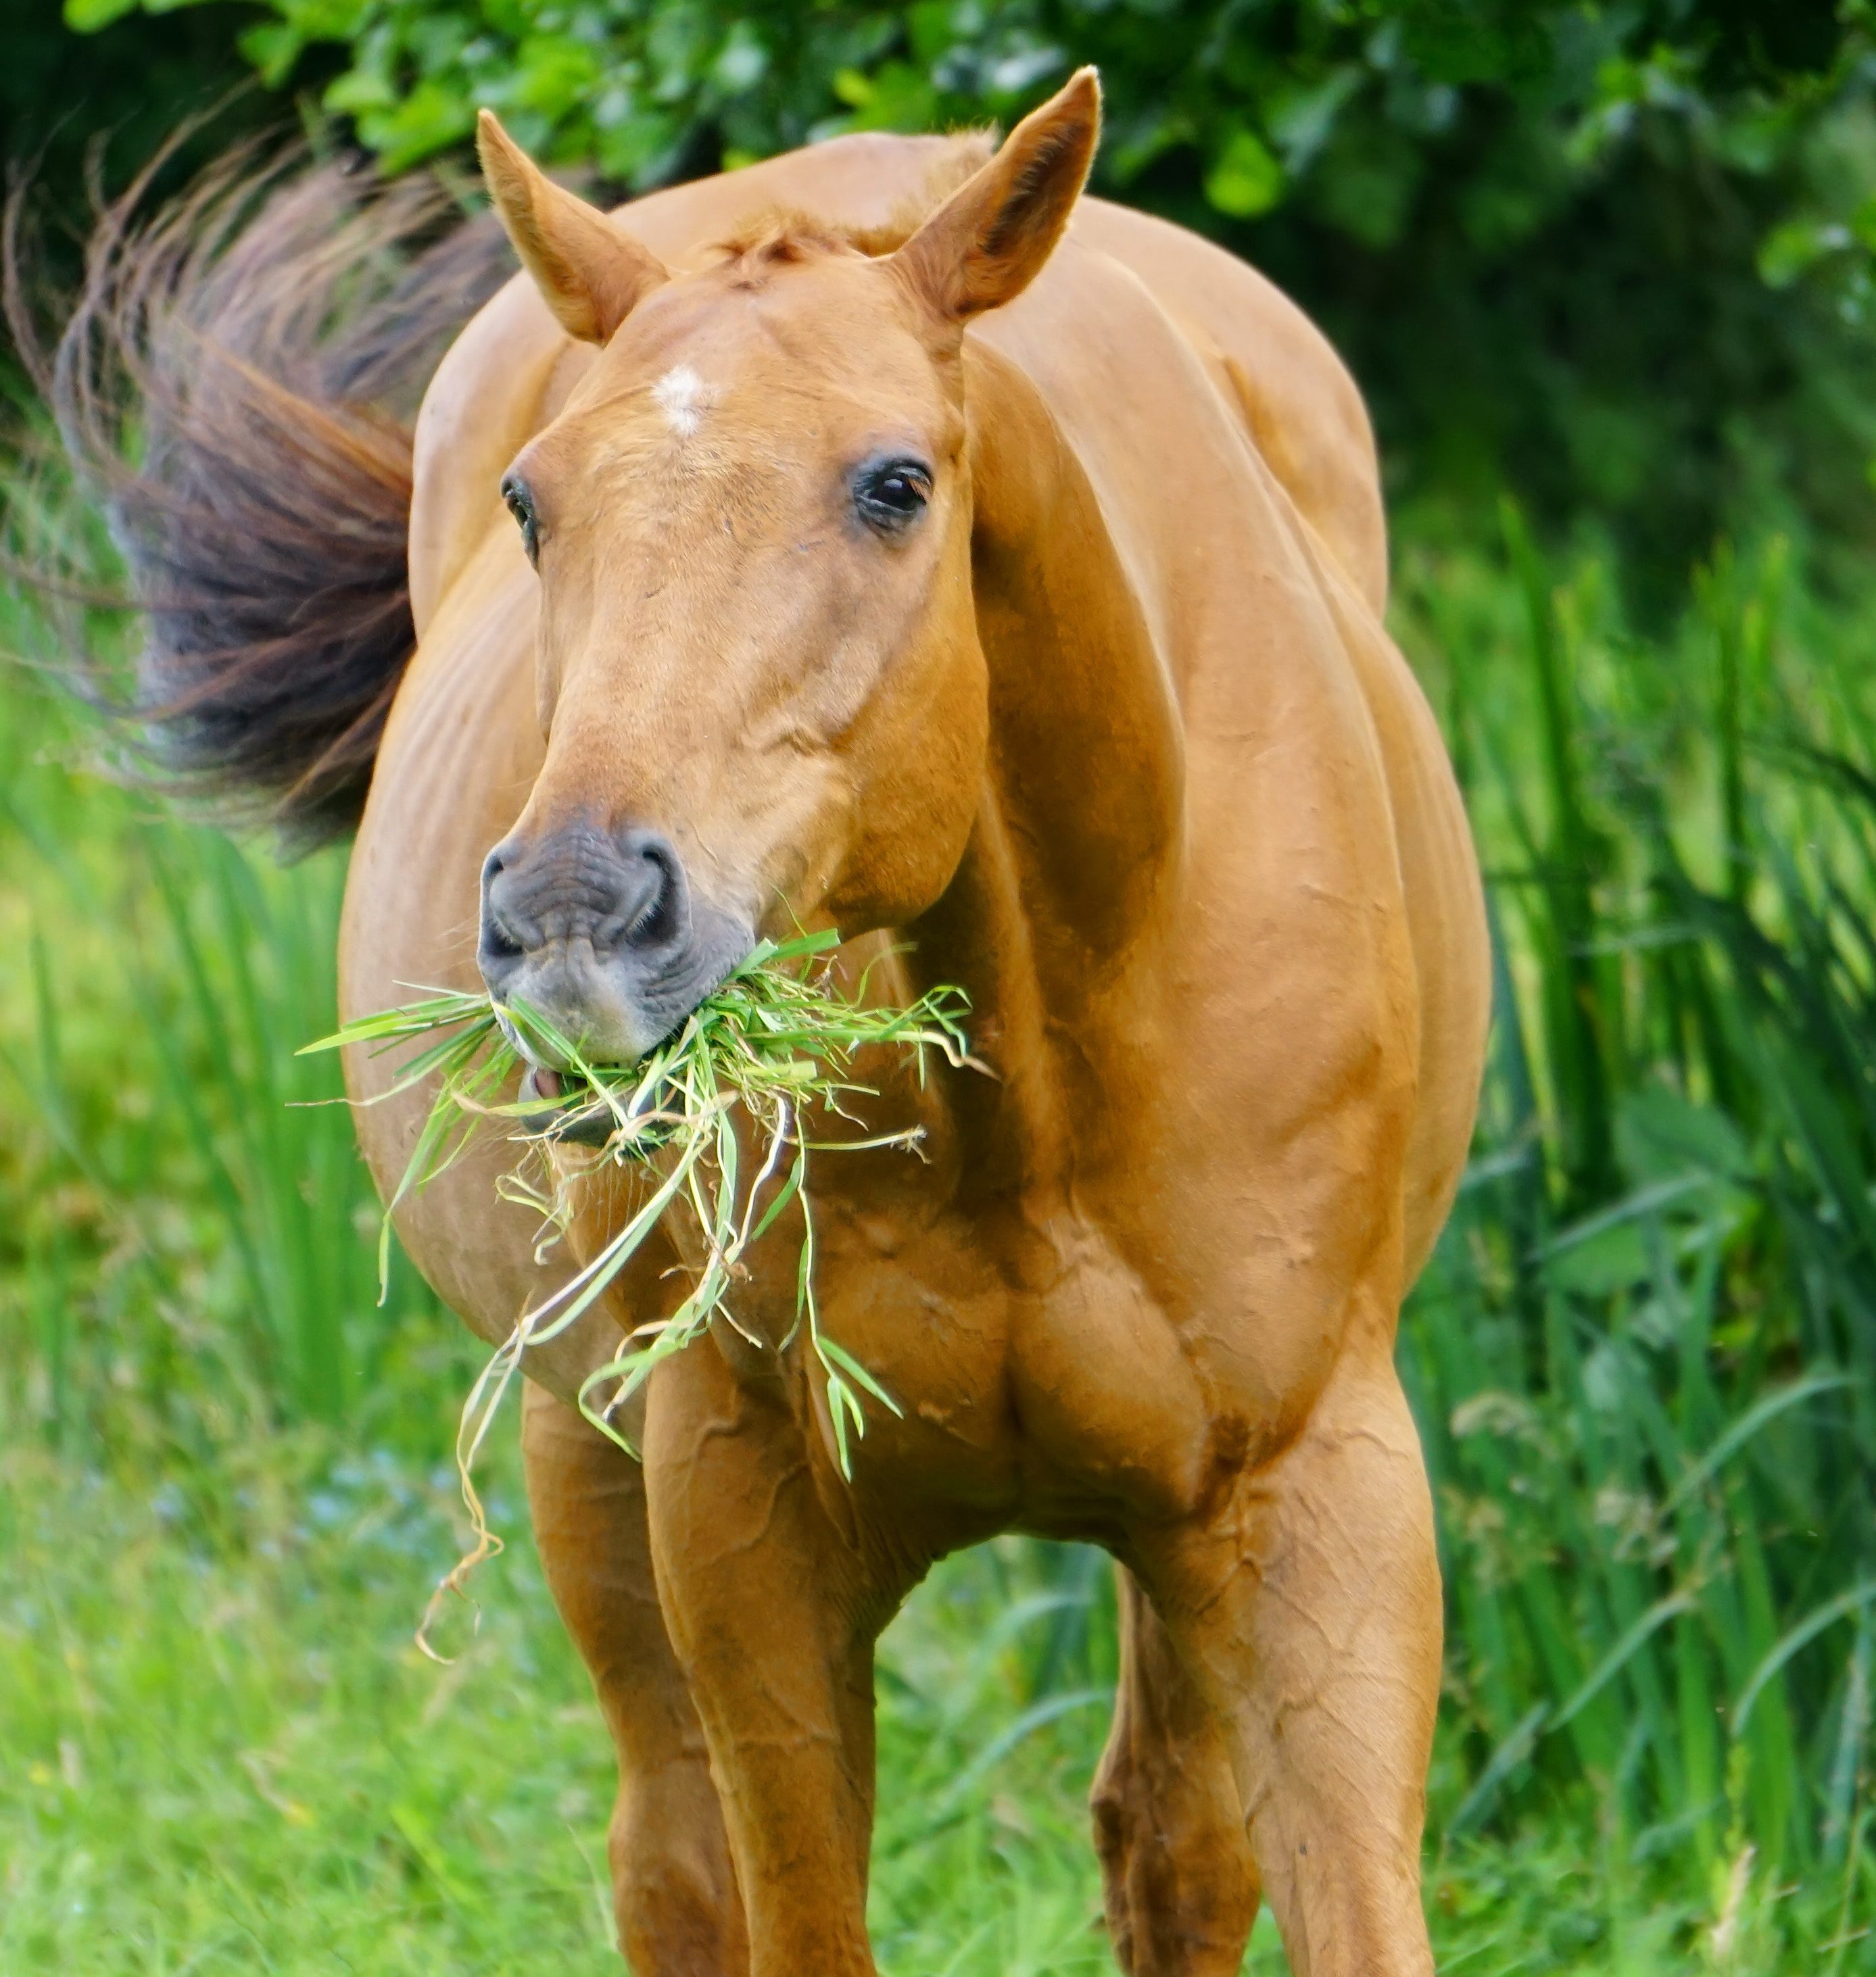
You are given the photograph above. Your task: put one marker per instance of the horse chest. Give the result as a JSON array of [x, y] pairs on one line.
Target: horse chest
[[1054, 1395]]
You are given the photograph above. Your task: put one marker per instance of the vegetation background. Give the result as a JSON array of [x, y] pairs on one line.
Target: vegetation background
[[1606, 272]]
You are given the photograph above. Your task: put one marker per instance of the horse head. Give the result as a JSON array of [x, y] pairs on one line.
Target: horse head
[[764, 699]]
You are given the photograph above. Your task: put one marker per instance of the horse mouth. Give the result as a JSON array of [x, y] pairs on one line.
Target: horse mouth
[[558, 1116]]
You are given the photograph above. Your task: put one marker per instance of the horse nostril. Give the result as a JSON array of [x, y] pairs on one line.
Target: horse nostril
[[655, 918], [496, 948], [498, 954], [648, 906], [496, 944]]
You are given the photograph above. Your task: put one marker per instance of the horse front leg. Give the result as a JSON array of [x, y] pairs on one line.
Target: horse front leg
[[1308, 1612], [774, 1612], [673, 1889], [1180, 1886]]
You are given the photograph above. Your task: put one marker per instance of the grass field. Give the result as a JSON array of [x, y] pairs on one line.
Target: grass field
[[1642, 1363]]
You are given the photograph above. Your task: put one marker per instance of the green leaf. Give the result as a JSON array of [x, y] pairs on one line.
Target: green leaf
[[849, 1366], [434, 115], [635, 146], [1792, 249], [1807, 1630], [1661, 1134], [360, 91], [741, 62], [789, 1188], [1301, 120], [554, 73], [86, 17], [897, 97], [273, 47], [1245, 179]]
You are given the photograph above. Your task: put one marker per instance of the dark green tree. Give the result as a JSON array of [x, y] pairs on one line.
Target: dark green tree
[[1615, 257]]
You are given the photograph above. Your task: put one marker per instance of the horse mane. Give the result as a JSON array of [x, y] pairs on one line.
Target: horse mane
[[779, 235], [237, 382]]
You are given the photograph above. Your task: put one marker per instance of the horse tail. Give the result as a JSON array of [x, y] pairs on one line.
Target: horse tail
[[238, 381]]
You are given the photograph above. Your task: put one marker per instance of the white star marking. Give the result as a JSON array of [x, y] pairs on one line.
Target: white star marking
[[682, 397]]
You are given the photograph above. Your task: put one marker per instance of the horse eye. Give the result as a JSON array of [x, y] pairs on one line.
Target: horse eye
[[891, 494], [521, 505]]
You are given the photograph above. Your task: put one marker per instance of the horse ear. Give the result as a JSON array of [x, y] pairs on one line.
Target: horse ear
[[590, 272], [989, 240]]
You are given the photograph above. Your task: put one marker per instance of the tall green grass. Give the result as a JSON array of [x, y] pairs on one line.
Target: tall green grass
[[182, 1198], [1642, 1359]]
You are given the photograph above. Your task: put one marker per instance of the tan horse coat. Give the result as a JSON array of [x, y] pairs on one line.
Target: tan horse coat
[[1217, 912]]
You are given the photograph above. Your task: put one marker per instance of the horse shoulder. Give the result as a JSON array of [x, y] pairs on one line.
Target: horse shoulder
[[1313, 772]]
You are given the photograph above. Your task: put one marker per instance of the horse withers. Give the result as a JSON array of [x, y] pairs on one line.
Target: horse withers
[[888, 538]]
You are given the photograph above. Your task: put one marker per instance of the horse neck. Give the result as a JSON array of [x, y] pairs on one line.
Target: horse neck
[[1054, 922]]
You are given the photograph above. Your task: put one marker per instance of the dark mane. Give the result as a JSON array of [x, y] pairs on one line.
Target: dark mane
[[235, 383], [785, 234]]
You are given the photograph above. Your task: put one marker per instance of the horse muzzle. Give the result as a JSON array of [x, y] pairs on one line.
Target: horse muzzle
[[598, 931]]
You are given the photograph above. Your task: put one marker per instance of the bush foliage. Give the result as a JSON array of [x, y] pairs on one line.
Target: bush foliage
[[1618, 256]]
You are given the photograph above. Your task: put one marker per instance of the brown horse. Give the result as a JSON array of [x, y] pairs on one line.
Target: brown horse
[[908, 545]]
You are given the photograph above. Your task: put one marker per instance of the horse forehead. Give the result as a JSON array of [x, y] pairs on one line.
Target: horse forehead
[[720, 354]]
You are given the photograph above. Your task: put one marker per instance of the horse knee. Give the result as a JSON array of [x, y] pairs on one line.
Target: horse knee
[[1117, 1805], [1180, 1891], [1138, 1872], [673, 1889]]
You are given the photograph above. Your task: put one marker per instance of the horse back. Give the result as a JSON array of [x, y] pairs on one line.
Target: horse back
[[1270, 361]]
